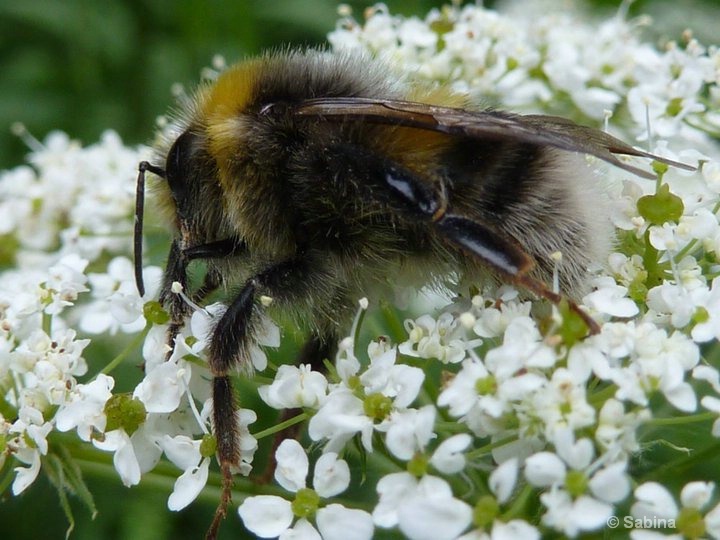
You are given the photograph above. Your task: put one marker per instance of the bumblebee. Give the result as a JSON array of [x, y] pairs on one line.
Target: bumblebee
[[315, 178]]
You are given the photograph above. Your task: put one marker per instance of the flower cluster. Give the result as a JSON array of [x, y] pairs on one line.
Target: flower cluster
[[483, 417], [64, 212], [68, 234]]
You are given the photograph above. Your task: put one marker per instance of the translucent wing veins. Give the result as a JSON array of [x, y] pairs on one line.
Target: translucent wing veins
[[493, 125]]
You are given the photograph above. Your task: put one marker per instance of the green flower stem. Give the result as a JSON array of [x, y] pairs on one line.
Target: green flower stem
[[680, 255], [164, 475], [658, 182], [484, 450], [392, 323], [47, 323], [99, 464], [450, 426], [518, 510], [680, 420], [650, 257], [357, 326], [281, 426], [7, 479], [132, 346]]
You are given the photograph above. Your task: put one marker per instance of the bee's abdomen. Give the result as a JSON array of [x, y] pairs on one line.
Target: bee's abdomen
[[546, 199]]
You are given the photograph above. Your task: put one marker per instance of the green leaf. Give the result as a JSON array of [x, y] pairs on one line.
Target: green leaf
[[75, 480], [54, 471]]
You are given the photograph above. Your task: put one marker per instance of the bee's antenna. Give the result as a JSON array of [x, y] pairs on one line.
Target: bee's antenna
[[139, 211]]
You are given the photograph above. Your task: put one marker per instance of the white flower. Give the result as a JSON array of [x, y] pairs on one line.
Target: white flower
[[25, 476], [85, 406], [184, 452], [713, 404], [331, 476], [31, 424], [653, 361], [611, 299], [269, 516], [709, 329], [248, 444], [515, 528], [571, 516], [164, 386], [568, 509], [522, 348], [502, 482], [448, 457], [294, 387], [189, 485], [626, 269], [482, 392], [267, 334], [335, 522], [430, 338], [292, 465], [65, 281], [386, 376], [559, 404], [118, 306], [493, 321], [422, 509], [654, 501], [616, 429], [503, 479], [388, 389], [409, 431], [124, 459], [341, 416], [709, 374], [678, 301], [138, 453]]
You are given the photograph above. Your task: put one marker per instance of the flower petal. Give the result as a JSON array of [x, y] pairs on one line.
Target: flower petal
[[267, 516], [502, 480], [433, 518], [339, 523], [25, 476], [653, 501], [331, 476], [292, 465], [302, 530], [188, 486], [544, 469]]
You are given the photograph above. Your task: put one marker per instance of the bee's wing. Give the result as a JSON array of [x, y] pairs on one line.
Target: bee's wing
[[535, 129]]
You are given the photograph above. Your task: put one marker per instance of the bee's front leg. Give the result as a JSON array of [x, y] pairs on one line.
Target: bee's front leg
[[176, 272], [287, 282]]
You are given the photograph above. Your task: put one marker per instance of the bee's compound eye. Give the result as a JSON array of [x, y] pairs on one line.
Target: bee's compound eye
[[178, 164]]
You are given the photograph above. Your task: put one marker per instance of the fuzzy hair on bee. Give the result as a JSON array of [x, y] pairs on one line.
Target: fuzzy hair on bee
[[316, 178]]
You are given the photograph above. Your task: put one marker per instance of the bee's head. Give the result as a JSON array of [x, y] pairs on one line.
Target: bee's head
[[185, 175], [180, 165]]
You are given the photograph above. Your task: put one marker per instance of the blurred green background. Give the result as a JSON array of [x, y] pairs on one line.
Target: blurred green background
[[84, 66]]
